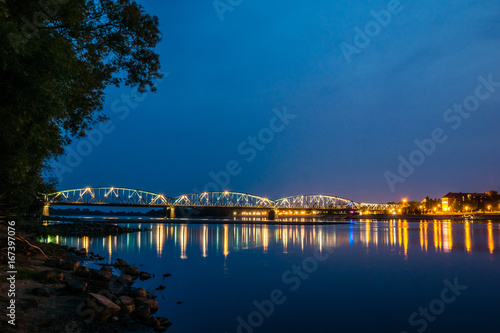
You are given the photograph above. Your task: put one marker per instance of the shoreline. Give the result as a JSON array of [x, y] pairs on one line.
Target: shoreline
[[57, 290]]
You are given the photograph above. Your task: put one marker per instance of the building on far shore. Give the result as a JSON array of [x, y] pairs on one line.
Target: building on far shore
[[466, 201]]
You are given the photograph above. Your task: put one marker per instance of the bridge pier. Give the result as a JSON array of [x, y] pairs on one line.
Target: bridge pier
[[170, 212], [271, 216], [45, 211]]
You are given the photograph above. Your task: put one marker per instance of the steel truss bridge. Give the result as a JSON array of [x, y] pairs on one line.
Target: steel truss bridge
[[126, 197]]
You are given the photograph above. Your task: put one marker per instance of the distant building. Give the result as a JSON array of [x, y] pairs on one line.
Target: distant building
[[448, 201]]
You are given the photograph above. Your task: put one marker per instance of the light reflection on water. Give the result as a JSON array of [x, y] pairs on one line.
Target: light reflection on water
[[205, 239], [379, 271]]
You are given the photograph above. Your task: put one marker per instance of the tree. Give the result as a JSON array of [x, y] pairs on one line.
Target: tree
[[493, 201], [492, 193], [56, 59]]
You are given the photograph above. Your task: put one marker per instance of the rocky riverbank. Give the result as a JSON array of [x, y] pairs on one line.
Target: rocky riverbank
[[61, 294]]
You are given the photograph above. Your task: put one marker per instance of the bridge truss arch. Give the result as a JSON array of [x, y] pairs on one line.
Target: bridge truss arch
[[314, 201], [119, 196], [222, 199], [112, 196], [376, 206]]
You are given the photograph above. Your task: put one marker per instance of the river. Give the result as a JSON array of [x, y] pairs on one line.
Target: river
[[366, 276]]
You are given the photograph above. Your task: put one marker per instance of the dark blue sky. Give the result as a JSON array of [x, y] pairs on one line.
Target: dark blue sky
[[353, 119]]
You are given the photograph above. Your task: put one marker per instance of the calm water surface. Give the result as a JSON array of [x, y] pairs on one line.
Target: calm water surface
[[391, 276]]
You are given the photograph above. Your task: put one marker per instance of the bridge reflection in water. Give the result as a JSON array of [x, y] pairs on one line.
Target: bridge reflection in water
[[194, 240]]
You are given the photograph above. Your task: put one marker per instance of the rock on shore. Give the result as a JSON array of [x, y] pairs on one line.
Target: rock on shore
[[101, 306], [61, 295]]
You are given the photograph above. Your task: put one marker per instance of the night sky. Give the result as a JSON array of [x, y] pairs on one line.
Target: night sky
[[355, 103]]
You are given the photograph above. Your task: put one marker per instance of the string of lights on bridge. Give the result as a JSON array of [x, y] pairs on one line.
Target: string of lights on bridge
[[118, 196]]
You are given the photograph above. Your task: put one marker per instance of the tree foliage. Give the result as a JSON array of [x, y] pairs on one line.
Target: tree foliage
[[56, 59]]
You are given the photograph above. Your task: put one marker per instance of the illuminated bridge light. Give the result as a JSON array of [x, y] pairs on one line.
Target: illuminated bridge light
[[125, 196]]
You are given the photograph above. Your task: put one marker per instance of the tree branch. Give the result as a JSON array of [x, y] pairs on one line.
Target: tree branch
[[31, 245]]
